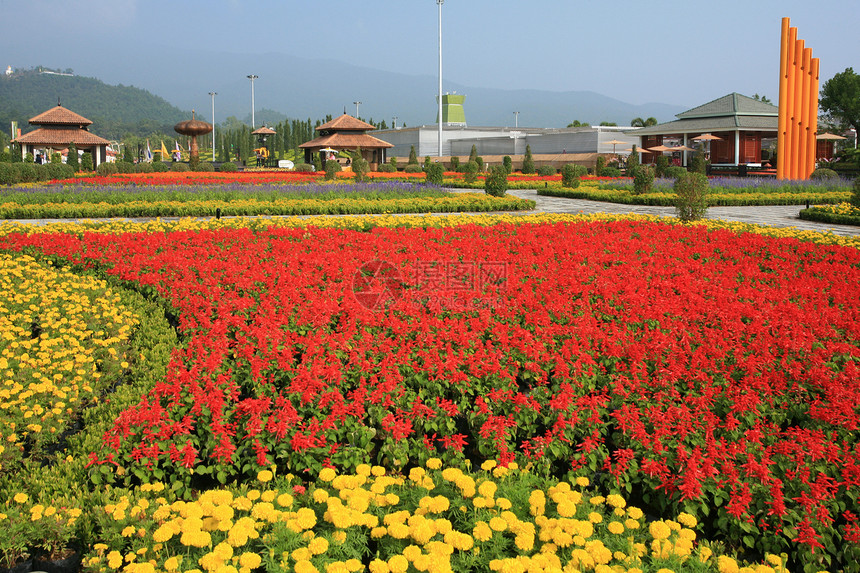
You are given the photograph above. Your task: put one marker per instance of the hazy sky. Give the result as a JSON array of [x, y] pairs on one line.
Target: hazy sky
[[678, 52]]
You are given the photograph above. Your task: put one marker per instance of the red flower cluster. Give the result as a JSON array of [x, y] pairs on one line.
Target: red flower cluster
[[717, 368]]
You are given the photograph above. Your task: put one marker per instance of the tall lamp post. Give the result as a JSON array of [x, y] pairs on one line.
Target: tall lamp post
[[357, 103], [212, 95], [516, 119], [440, 2], [252, 77]]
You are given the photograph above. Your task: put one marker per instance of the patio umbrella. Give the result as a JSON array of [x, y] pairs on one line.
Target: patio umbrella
[[830, 136], [659, 149], [329, 150], [707, 137], [614, 142], [681, 148]]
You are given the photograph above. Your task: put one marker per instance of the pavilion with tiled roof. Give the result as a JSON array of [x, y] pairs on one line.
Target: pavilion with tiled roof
[[740, 122], [60, 127], [346, 133]]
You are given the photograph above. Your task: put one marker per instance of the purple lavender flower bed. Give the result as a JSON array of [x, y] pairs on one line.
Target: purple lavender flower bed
[[745, 185], [244, 192]]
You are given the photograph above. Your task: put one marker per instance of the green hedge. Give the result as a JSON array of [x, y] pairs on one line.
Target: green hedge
[[715, 199], [825, 216]]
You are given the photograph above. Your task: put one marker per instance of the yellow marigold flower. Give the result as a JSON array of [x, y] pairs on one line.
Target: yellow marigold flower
[[498, 524], [705, 553], [524, 542], [339, 536], [327, 474], [398, 564], [615, 527], [320, 495], [726, 564], [482, 531], [503, 503], [265, 476], [488, 465], [378, 566], [597, 500], [115, 560], [616, 500], [128, 531], [687, 520], [659, 530], [173, 563], [21, 497], [250, 560], [664, 570], [582, 481], [378, 532], [353, 565], [305, 566], [411, 552], [567, 508], [635, 513], [301, 554], [434, 463], [318, 545], [377, 471], [595, 517], [487, 489]]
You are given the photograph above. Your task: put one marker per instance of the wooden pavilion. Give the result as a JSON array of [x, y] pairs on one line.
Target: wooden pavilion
[[346, 133], [59, 128], [741, 123]]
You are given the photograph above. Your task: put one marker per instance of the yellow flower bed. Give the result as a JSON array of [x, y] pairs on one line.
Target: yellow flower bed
[[427, 220], [59, 333], [439, 520]]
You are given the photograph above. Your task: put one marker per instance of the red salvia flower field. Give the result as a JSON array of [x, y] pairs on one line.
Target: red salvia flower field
[[684, 366]]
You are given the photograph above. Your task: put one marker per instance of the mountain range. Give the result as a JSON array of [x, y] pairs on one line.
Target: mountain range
[[303, 87]]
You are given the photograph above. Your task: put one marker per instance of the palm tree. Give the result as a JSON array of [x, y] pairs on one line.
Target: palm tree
[[637, 122]]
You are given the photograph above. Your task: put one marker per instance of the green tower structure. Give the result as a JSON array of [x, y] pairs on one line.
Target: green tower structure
[[452, 110]]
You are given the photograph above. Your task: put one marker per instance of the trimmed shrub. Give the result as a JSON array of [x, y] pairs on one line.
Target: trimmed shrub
[[473, 154], [470, 172], [435, 173], [87, 161], [455, 163], [72, 158], [699, 164], [122, 166], [413, 168], [823, 173], [496, 182], [143, 167], [9, 174], [28, 158], [610, 172], [508, 163], [674, 172], [5, 157], [661, 165], [643, 179], [546, 170], [332, 168], [528, 161], [360, 167], [26, 172], [393, 163], [633, 160], [230, 167], [387, 168], [109, 168], [160, 166], [179, 167], [570, 176], [426, 161], [480, 161], [56, 157], [41, 172], [855, 193], [598, 168], [413, 157], [59, 171], [692, 191]]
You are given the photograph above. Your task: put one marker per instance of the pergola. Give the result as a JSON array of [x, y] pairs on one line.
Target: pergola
[[740, 123], [59, 128], [346, 133]]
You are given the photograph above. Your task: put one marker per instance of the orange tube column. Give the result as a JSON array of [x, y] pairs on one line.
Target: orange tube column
[[783, 99], [785, 153], [803, 140], [797, 105], [813, 117]]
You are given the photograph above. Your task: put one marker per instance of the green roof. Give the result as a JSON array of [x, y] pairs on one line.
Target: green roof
[[731, 112], [732, 104]]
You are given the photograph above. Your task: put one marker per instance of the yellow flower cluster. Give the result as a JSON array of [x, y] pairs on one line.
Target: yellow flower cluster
[[58, 333], [428, 220], [435, 520]]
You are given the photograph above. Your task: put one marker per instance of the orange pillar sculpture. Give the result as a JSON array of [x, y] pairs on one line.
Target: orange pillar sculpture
[[798, 106]]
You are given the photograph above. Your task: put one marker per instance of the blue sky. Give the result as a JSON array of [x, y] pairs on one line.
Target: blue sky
[[669, 51]]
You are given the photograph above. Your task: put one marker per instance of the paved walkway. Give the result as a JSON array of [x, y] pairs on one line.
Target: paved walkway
[[771, 215]]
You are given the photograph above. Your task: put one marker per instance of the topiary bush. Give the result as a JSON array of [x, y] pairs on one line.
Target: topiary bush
[[59, 171], [508, 163], [332, 168], [855, 193], [528, 161], [674, 172], [143, 167], [661, 165], [546, 170], [41, 172], [160, 166], [360, 167], [109, 168], [470, 172], [87, 161], [72, 158], [205, 167], [610, 172], [496, 182], [692, 193], [598, 168], [8, 174], [387, 168], [633, 160], [122, 166], [179, 167], [230, 167], [434, 173], [26, 172], [455, 163], [413, 157], [413, 168], [570, 176], [823, 174], [643, 179]]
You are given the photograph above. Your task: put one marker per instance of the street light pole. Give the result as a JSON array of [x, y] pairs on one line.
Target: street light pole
[[516, 119], [357, 103], [252, 77], [212, 95], [395, 122], [440, 2]]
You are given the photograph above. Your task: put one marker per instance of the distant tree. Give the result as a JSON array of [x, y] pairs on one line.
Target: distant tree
[[650, 121], [608, 123], [128, 154], [87, 161], [761, 98], [528, 161], [508, 163], [413, 157], [840, 98], [473, 154], [577, 123], [632, 160], [637, 122]]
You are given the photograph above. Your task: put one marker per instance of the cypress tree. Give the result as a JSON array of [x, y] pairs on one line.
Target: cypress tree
[[413, 157], [528, 161], [72, 159]]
